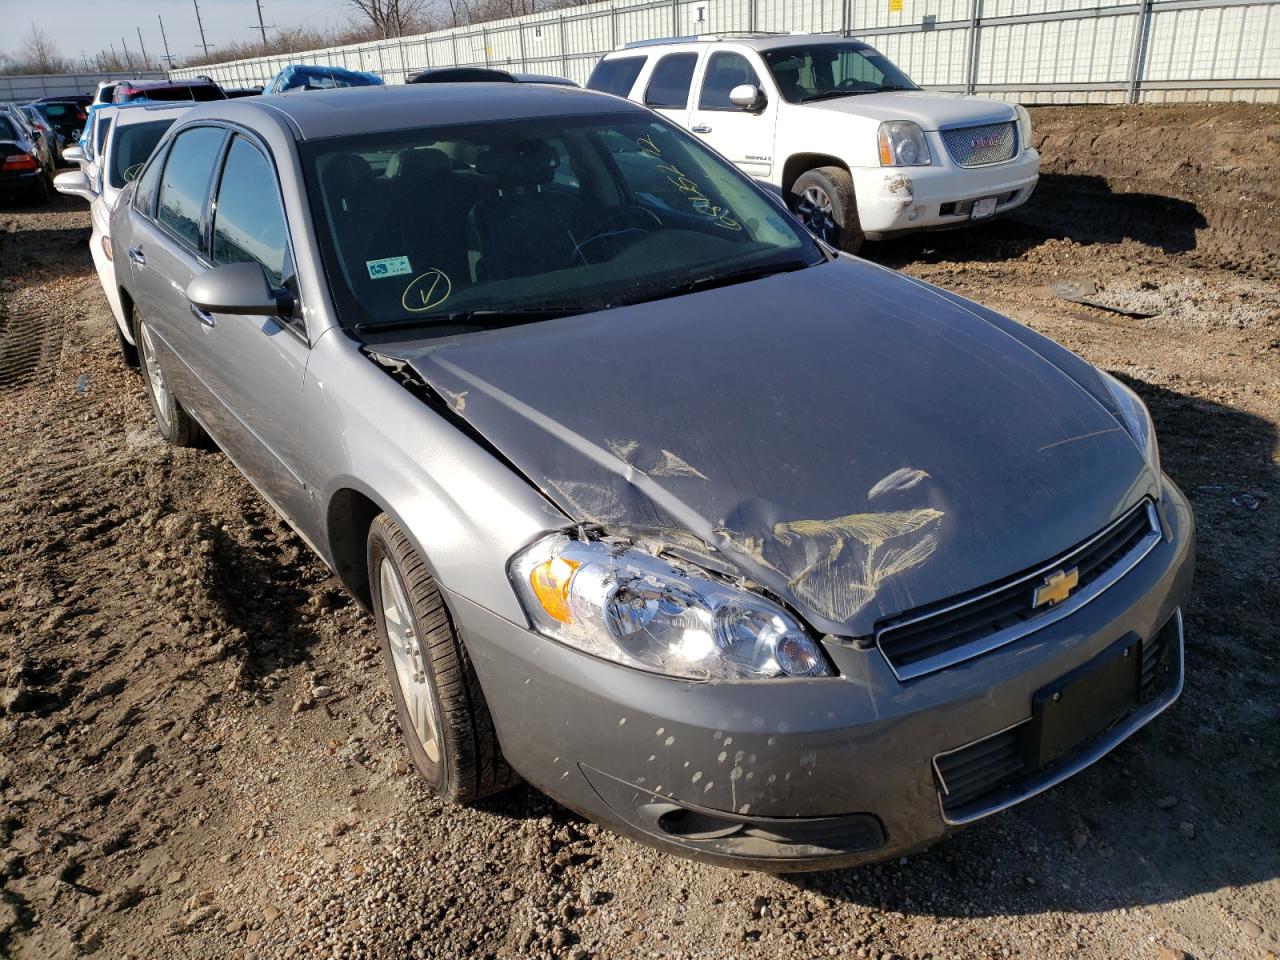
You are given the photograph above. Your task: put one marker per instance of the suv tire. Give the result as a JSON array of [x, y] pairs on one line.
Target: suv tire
[[824, 200]]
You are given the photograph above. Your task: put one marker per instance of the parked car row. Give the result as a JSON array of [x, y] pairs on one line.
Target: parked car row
[[753, 550]]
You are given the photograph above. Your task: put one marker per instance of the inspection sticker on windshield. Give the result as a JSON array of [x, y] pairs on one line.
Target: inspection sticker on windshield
[[388, 267]]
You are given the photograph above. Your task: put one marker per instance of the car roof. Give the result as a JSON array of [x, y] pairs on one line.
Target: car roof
[[125, 114], [336, 113], [756, 41]]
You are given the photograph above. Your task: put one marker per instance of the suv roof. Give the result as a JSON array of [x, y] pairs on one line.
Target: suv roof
[[757, 41]]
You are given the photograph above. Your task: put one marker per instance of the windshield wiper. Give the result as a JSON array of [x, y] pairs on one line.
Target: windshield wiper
[[491, 318], [745, 274]]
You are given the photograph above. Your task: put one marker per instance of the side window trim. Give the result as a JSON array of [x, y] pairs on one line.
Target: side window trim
[[159, 159], [201, 254], [295, 324]]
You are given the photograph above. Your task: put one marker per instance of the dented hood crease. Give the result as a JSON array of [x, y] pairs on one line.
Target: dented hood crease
[[857, 444]]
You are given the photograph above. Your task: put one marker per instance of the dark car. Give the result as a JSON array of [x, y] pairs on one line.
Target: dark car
[[235, 93], [23, 168], [485, 75], [65, 116], [752, 550], [81, 98], [47, 138], [164, 91]]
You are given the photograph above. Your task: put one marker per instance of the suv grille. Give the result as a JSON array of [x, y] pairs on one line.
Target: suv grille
[[934, 637], [972, 775], [979, 146]]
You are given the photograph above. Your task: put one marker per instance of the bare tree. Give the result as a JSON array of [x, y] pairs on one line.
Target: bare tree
[[36, 55], [390, 18]]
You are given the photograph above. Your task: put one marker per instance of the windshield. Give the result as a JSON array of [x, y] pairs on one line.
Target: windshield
[[539, 217], [823, 71], [318, 78], [132, 146]]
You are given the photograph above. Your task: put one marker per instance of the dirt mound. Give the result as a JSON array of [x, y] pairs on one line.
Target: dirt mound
[[1203, 179]]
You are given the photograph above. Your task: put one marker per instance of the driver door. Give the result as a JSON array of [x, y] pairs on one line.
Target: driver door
[[743, 136]]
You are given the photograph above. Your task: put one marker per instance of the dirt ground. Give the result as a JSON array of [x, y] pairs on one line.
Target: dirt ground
[[198, 756]]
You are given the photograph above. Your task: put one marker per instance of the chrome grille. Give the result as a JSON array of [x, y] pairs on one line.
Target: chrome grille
[[981, 145], [939, 635]]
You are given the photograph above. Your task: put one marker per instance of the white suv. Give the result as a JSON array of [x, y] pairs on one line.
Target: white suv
[[858, 150]]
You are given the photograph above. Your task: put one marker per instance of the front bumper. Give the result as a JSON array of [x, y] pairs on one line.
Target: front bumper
[[799, 774], [897, 200]]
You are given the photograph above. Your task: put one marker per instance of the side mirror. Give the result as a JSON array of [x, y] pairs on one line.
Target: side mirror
[[747, 96], [74, 184], [73, 155], [238, 288]]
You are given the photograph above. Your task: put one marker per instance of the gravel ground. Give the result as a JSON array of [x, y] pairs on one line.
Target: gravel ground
[[198, 756]]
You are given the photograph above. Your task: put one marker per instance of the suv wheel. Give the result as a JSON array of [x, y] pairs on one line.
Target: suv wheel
[[824, 201], [442, 711]]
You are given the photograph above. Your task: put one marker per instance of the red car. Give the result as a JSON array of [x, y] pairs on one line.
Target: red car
[[129, 91]]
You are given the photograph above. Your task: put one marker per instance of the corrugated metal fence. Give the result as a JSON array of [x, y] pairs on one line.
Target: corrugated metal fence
[[1037, 51], [35, 86]]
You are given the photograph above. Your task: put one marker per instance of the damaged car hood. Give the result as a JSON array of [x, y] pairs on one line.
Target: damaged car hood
[[857, 442]]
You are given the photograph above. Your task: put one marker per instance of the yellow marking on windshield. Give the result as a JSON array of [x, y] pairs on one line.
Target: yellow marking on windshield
[[427, 290], [699, 201]]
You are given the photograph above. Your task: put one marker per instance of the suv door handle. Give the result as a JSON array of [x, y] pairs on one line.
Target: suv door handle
[[136, 255], [701, 128], [203, 316]]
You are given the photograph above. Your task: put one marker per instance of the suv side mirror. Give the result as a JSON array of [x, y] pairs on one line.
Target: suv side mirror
[[74, 184], [747, 96], [73, 155], [238, 288]]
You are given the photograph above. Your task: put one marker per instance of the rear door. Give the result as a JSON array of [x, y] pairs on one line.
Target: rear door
[[667, 89], [743, 136], [167, 249]]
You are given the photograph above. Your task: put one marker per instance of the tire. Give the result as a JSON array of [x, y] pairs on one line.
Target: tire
[[824, 200], [442, 711], [40, 193], [173, 422], [128, 352]]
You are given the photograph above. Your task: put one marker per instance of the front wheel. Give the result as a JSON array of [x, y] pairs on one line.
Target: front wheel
[[824, 200], [442, 711]]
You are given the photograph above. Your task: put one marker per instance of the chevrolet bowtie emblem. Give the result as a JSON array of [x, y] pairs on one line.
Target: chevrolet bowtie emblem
[[1057, 587]]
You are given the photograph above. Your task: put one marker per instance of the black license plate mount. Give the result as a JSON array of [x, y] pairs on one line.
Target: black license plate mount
[[1081, 704]]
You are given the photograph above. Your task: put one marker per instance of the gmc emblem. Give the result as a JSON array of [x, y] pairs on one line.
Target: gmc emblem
[[982, 142]]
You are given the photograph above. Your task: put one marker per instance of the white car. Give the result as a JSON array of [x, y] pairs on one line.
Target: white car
[[857, 149], [131, 134]]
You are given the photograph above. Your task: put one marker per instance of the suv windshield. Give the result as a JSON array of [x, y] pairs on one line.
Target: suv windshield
[[504, 222], [132, 146], [822, 71]]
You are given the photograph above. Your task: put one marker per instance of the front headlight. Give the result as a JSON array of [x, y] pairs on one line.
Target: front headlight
[[640, 610], [1024, 125], [1136, 420], [902, 144]]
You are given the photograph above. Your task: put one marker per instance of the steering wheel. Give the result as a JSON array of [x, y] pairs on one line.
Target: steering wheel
[[616, 223]]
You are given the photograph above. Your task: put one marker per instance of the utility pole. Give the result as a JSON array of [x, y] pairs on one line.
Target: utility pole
[[145, 58], [200, 24], [127, 59], [261, 29], [167, 57]]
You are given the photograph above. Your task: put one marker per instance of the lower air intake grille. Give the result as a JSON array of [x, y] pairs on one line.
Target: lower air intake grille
[[980, 768]]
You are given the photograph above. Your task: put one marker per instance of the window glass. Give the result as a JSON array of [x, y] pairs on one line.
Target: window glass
[[824, 71], [616, 76], [249, 223], [145, 198], [185, 182], [725, 70], [559, 214], [104, 127], [669, 84], [7, 130], [132, 145]]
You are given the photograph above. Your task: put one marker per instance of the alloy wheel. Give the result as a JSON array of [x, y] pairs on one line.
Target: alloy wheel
[[406, 653], [814, 210], [155, 377]]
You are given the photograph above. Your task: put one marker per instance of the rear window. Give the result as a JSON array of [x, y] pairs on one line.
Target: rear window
[[616, 76], [131, 148], [7, 132], [669, 84], [55, 110]]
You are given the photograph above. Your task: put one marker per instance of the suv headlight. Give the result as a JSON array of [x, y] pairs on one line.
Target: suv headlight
[[902, 144], [1136, 420], [1024, 125], [624, 605]]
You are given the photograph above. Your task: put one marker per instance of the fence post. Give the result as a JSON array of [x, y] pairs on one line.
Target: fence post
[[751, 16], [1138, 58], [484, 42], [564, 49], [846, 27], [974, 53], [675, 18], [453, 43], [524, 60]]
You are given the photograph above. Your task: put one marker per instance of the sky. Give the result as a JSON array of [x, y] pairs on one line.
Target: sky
[[90, 25]]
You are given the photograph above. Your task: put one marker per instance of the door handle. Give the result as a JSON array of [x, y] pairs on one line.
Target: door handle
[[136, 255], [203, 316], [701, 128]]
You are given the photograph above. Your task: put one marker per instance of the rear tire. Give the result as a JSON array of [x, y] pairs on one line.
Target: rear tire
[[173, 422], [128, 352], [442, 711], [824, 200], [40, 192]]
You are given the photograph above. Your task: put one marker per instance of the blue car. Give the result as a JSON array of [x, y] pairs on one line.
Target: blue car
[[300, 76]]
